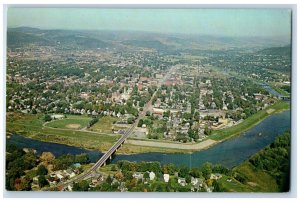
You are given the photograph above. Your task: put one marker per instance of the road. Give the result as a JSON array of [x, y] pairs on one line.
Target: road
[[113, 149]]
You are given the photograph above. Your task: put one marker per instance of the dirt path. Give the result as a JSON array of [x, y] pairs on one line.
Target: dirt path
[[198, 146]]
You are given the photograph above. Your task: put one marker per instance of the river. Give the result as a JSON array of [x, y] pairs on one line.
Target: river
[[228, 153]]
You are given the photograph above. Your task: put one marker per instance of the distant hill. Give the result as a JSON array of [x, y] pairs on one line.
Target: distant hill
[[82, 41], [285, 50], [23, 36], [167, 43], [155, 44], [18, 39]]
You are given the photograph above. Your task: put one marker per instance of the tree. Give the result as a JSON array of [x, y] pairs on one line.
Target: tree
[[81, 186], [25, 185], [42, 181], [140, 123], [42, 170], [114, 167], [217, 186], [63, 162], [47, 118], [169, 169], [195, 172], [34, 111], [206, 170], [130, 120], [183, 171], [207, 131], [82, 158]]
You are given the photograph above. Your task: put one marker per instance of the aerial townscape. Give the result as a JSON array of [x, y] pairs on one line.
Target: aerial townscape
[[146, 111]]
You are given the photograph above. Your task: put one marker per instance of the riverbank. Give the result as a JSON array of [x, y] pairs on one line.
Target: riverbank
[[224, 134], [31, 126], [217, 136]]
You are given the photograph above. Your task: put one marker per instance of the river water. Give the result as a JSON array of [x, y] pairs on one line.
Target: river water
[[228, 153]]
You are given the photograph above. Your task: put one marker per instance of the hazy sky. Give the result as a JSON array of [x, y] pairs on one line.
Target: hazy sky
[[227, 22]]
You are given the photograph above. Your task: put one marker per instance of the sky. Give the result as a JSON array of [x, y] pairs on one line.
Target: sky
[[224, 22]]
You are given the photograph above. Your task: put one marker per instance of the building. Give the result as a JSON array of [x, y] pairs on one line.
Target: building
[[158, 111], [166, 177], [151, 175]]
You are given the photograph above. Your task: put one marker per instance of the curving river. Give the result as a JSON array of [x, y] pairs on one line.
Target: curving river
[[228, 153]]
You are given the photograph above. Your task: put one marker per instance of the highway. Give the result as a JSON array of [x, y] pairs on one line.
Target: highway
[[113, 149]]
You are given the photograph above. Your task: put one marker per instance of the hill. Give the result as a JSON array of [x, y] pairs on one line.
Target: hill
[[284, 51]]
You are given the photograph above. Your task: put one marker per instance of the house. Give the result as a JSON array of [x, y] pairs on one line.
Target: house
[[35, 180], [215, 176], [181, 181], [194, 181], [258, 96], [137, 175], [122, 187], [158, 111], [152, 175], [166, 177], [59, 176], [77, 165]]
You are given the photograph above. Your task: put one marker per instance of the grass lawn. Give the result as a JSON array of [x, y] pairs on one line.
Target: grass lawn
[[249, 122], [134, 149], [104, 125], [257, 180], [234, 185], [32, 126], [71, 122], [107, 169]]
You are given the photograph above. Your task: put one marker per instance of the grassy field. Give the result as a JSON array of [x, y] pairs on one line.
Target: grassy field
[[133, 149], [32, 126], [104, 125], [71, 122], [257, 180], [249, 122]]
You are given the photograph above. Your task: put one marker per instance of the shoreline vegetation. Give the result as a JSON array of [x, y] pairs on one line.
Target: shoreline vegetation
[[248, 123], [33, 127]]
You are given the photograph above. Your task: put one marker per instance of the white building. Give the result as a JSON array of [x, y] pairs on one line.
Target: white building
[[166, 177], [152, 175]]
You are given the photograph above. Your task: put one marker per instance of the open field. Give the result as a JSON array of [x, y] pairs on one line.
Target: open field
[[32, 126], [71, 122], [129, 148], [249, 122], [104, 125], [196, 146]]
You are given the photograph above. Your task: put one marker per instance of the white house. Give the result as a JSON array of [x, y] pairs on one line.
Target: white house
[[137, 175], [152, 175], [166, 177], [215, 176], [194, 181], [181, 181]]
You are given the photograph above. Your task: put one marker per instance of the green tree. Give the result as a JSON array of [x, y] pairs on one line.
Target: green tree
[[42, 170], [140, 123], [130, 120], [206, 170], [82, 158], [42, 181], [47, 118]]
